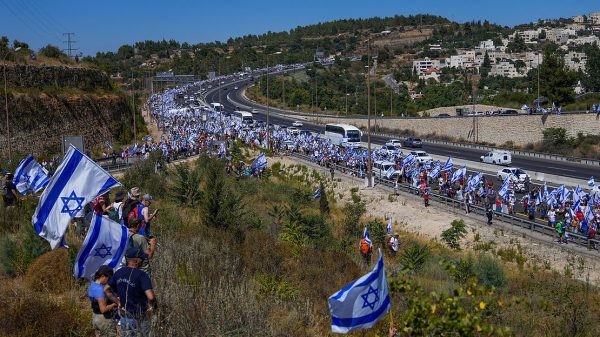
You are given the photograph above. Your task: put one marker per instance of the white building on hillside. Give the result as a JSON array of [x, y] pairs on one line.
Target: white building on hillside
[[533, 59], [575, 61], [505, 69], [456, 61], [594, 18], [419, 66], [486, 45]]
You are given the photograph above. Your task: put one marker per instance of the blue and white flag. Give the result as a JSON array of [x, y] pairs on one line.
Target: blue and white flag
[[538, 199], [366, 237], [77, 181], [104, 245], [362, 303], [389, 225], [448, 166], [390, 171], [591, 182], [260, 161], [408, 160], [108, 144], [317, 193], [458, 174], [505, 185], [30, 176], [435, 172]]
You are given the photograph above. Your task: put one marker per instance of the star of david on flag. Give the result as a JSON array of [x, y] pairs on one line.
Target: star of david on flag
[[30, 176], [104, 244], [77, 181], [362, 303]]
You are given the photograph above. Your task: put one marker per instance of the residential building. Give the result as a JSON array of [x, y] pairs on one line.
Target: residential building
[[533, 59], [578, 19], [486, 45], [575, 61], [456, 61], [581, 40], [430, 73], [419, 66], [594, 18], [505, 69], [435, 47]]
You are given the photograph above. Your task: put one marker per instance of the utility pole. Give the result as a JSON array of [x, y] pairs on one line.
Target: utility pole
[[70, 43], [391, 101], [538, 86], [369, 163], [133, 105]]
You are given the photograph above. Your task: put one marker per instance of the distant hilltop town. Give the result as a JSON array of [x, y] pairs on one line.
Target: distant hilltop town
[[518, 53]]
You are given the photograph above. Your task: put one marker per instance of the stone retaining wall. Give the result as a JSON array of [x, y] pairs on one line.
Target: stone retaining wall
[[520, 130]]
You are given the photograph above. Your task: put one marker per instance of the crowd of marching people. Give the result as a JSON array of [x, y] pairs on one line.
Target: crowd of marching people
[[569, 211]]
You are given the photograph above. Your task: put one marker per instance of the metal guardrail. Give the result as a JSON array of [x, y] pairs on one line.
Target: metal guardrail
[[579, 160], [513, 220]]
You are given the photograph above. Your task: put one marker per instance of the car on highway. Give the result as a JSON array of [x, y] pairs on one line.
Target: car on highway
[[509, 112], [254, 111], [394, 142], [497, 157], [443, 115], [305, 133], [293, 130], [518, 173], [380, 167], [412, 142], [297, 124], [235, 88], [260, 123], [390, 150], [421, 156]]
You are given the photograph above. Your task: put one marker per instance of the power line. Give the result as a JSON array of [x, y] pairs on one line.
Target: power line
[[42, 19], [24, 21], [69, 43]]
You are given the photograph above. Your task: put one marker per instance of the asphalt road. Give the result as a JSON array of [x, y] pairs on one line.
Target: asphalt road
[[559, 168]]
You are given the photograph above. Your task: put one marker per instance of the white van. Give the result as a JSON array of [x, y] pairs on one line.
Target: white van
[[497, 157], [380, 167]]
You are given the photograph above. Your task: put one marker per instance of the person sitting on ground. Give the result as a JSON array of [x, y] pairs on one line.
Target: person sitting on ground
[[9, 192], [103, 309]]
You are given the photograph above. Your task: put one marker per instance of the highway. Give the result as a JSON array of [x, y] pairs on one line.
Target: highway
[[560, 168]]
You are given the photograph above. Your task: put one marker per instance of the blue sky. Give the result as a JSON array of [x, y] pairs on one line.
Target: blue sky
[[106, 25]]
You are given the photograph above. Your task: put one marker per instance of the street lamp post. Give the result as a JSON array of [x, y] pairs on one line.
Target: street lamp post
[[369, 160], [268, 100], [6, 102]]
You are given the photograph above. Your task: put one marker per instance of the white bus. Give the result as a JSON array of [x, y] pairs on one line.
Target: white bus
[[244, 116], [343, 134], [218, 107]]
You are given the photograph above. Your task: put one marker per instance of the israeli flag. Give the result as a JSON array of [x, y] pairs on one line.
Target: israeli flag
[[77, 181], [545, 191], [591, 182], [389, 172], [538, 199], [458, 174], [260, 161], [408, 160], [366, 237], [317, 193], [435, 172], [362, 303], [504, 189], [30, 176], [108, 144], [448, 166], [104, 245]]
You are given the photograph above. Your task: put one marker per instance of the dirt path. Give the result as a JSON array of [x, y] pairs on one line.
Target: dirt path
[[151, 125], [409, 214]]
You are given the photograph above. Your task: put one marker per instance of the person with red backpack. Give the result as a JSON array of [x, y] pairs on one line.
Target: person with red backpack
[[102, 205], [142, 211], [132, 202]]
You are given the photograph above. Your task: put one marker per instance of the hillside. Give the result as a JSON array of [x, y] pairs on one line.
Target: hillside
[[47, 101]]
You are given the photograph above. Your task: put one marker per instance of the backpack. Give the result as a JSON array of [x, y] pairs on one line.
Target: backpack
[[114, 213], [134, 213], [364, 246], [126, 207]]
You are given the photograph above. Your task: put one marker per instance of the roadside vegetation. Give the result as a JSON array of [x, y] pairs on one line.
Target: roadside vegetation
[[259, 257]]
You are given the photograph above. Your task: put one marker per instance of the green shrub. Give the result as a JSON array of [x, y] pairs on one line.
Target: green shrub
[[185, 184], [489, 271], [454, 234], [414, 256]]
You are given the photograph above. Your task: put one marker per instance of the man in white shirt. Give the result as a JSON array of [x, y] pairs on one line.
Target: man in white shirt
[[394, 244]]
